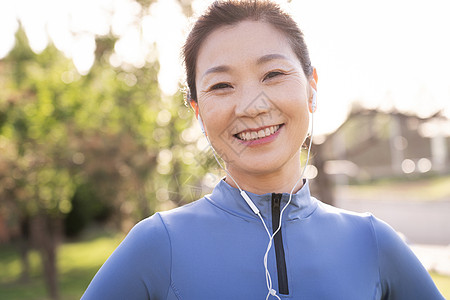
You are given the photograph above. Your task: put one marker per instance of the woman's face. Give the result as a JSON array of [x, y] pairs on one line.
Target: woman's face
[[253, 98]]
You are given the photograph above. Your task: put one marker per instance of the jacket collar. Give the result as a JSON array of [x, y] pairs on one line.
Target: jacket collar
[[228, 198]]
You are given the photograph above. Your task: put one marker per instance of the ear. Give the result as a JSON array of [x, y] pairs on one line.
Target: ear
[[312, 102], [194, 106]]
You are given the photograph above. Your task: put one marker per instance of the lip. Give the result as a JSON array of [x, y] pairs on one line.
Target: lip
[[263, 140]]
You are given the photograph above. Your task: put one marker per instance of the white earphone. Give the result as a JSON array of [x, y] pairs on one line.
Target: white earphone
[[199, 119], [314, 101]]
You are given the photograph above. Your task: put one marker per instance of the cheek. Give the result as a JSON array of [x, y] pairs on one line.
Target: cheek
[[215, 115], [293, 104], [293, 88], [292, 101]]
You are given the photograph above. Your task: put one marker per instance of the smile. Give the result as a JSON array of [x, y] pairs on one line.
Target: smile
[[251, 135]]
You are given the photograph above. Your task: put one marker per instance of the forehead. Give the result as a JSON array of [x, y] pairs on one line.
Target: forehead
[[246, 40]]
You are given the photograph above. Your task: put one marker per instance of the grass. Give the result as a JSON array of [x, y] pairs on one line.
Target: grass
[[78, 263], [443, 284]]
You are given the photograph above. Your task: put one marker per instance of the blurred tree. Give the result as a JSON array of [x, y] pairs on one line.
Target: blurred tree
[[40, 185], [87, 206], [110, 130]]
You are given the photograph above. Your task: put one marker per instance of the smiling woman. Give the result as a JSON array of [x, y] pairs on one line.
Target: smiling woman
[[236, 65], [260, 234]]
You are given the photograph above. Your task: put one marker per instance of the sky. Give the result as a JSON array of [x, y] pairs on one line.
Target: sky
[[386, 54]]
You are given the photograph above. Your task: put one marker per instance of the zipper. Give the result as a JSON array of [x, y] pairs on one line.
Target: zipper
[[279, 249]]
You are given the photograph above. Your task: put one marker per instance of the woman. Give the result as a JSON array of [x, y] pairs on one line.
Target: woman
[[260, 234]]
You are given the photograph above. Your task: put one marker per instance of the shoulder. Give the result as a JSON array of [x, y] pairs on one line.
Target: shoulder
[[155, 230], [385, 238], [147, 235], [345, 227], [140, 265], [196, 210], [382, 233], [341, 216]]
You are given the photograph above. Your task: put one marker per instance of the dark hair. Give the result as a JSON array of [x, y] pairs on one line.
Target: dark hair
[[230, 12]]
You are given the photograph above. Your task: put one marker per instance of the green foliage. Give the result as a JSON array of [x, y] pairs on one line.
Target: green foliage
[[86, 207], [60, 132], [80, 148]]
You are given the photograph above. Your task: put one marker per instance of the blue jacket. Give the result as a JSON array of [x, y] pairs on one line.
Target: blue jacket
[[213, 248]]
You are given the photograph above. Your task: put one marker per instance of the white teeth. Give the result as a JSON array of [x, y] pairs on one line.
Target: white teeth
[[261, 133], [253, 135]]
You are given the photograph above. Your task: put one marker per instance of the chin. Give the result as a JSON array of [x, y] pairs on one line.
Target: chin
[[258, 165]]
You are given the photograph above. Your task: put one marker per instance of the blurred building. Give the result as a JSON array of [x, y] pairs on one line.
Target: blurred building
[[373, 144]]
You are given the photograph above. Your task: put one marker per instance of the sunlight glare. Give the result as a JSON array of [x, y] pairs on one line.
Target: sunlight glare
[[167, 14], [9, 25], [33, 19], [83, 52]]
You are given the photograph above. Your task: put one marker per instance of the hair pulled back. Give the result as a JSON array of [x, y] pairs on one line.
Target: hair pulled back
[[230, 12]]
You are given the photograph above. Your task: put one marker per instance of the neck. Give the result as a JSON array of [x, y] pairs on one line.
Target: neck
[[278, 181]]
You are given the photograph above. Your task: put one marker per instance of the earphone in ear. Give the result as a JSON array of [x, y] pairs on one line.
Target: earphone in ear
[[313, 107], [199, 119], [194, 106]]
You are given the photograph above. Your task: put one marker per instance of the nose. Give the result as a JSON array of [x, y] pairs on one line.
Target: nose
[[252, 102]]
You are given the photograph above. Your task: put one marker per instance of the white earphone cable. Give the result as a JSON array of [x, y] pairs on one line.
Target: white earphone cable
[[271, 237], [247, 199]]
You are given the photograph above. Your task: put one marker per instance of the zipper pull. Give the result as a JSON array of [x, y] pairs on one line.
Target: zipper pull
[[276, 199]]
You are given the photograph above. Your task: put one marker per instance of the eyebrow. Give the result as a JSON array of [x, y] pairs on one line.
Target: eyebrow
[[217, 69], [266, 58], [263, 59]]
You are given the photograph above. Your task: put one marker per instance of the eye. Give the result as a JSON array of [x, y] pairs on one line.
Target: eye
[[273, 74], [219, 86]]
